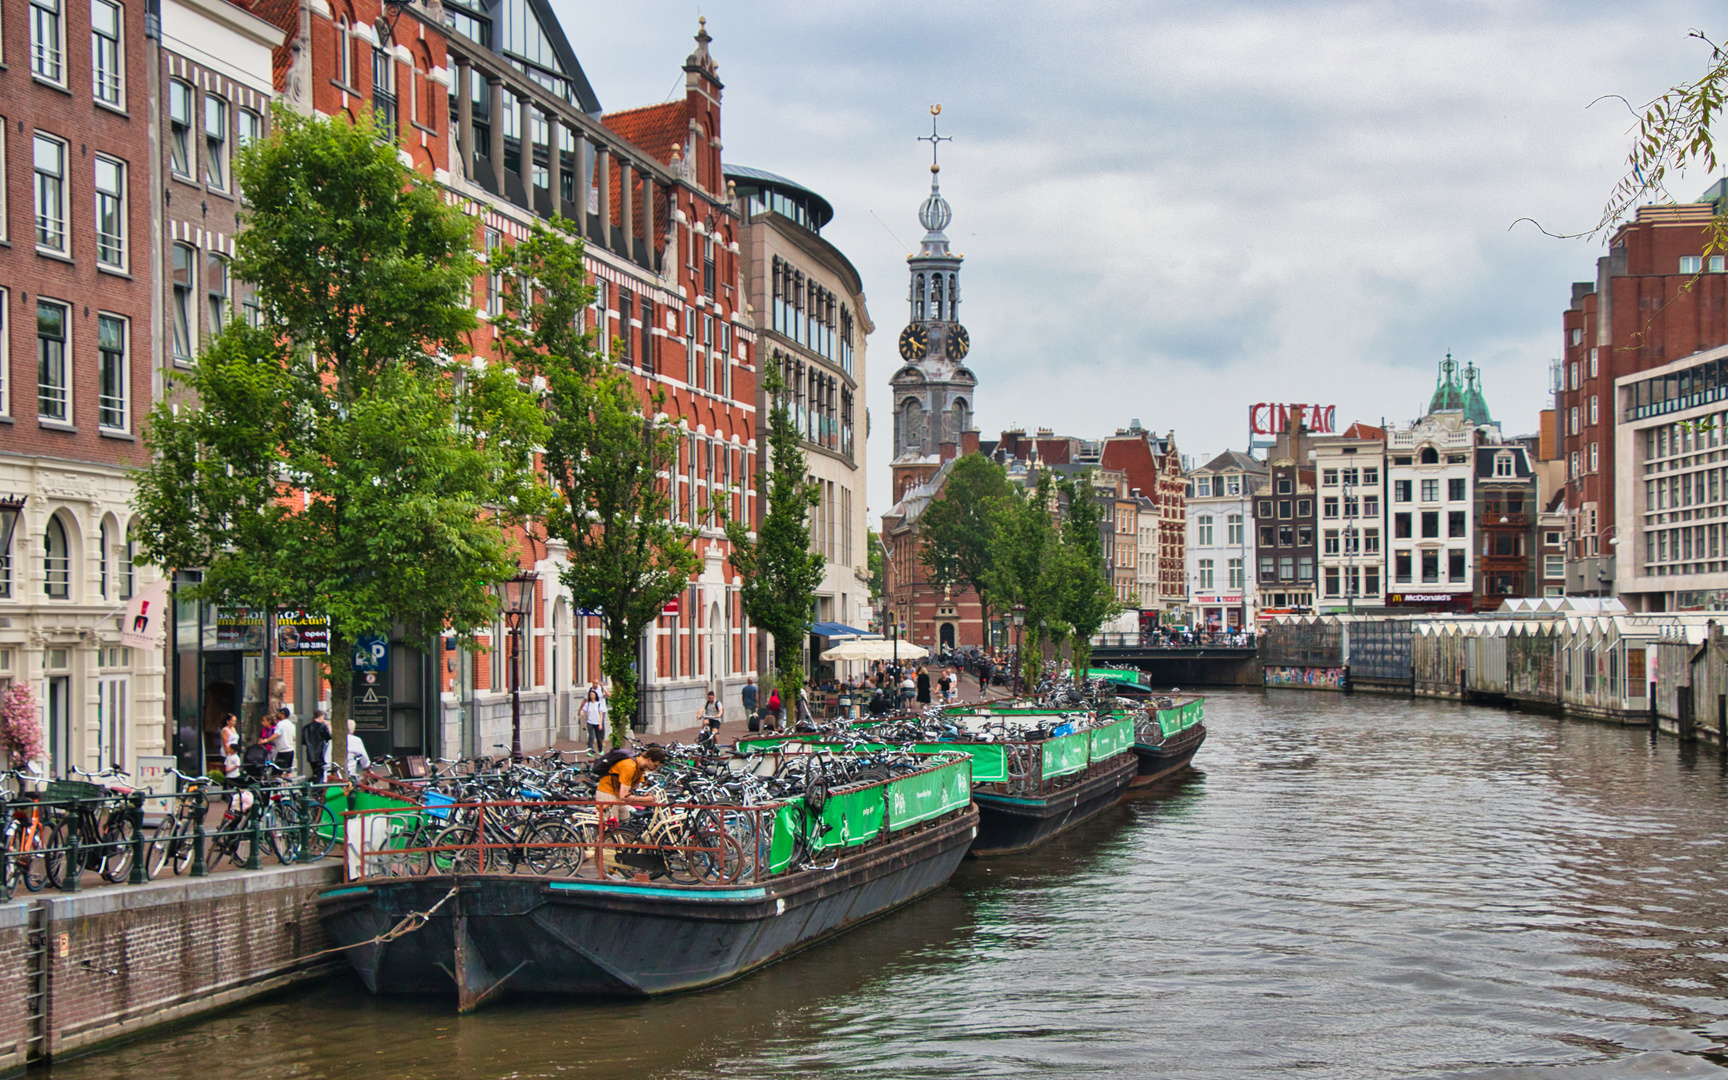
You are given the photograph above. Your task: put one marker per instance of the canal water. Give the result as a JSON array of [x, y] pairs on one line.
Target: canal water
[[1346, 887]]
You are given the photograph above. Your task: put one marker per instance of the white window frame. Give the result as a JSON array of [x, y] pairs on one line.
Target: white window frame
[[58, 187], [48, 60], [108, 86], [215, 142], [105, 403], [180, 131], [189, 310], [1691, 264], [118, 240], [217, 304], [65, 363], [5, 353]]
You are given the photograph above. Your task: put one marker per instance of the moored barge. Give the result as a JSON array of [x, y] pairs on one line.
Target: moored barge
[[865, 850], [1169, 735]]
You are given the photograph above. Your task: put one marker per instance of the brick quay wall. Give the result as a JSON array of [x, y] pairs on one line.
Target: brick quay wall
[[78, 970]]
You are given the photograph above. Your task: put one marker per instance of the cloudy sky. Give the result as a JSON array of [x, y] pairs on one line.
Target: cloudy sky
[[1172, 211]]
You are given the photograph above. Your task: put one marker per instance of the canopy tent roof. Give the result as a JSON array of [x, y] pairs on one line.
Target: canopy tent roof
[[840, 630], [875, 649]]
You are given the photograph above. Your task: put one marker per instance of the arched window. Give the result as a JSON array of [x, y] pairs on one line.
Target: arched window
[[953, 297], [918, 300], [962, 417], [102, 542], [936, 304], [911, 424], [1430, 456], [56, 562], [127, 554]]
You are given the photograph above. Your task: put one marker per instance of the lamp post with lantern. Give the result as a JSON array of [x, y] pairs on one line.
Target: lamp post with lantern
[[516, 596], [1019, 611]]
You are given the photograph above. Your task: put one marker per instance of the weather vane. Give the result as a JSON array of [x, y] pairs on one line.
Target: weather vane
[[934, 139]]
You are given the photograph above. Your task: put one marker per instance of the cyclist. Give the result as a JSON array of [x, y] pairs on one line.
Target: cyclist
[[621, 780]]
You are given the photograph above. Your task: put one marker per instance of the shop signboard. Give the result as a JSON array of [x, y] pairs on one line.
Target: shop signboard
[[240, 629], [301, 633]]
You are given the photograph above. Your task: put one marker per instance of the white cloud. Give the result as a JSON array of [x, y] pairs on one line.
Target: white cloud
[[1171, 211]]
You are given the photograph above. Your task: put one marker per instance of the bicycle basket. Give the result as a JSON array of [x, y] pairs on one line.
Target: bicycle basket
[[67, 790], [438, 805]]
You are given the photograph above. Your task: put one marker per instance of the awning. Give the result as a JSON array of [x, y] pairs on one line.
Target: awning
[[834, 629]]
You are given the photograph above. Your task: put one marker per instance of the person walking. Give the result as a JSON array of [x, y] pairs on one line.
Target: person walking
[[317, 739], [748, 697], [593, 717], [923, 685], [283, 740], [772, 720]]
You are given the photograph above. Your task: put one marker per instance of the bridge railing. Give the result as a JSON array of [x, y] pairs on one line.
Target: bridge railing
[[1182, 640]]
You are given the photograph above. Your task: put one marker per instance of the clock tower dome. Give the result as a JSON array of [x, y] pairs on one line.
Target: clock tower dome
[[933, 388]]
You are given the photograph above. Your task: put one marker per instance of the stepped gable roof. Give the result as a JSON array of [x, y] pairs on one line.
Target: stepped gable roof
[[654, 128]]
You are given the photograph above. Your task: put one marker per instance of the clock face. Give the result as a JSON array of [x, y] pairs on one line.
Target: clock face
[[914, 343], [958, 343]]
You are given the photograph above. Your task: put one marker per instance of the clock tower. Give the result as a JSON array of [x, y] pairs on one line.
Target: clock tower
[[933, 388]]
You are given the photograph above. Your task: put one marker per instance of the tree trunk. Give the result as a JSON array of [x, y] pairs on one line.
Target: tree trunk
[[617, 656], [339, 669]]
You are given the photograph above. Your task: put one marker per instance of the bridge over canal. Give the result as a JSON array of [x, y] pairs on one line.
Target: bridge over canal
[[1185, 666]]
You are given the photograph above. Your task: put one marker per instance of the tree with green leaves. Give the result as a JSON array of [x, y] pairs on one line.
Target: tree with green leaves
[[1088, 597], [877, 567], [779, 569], [957, 528], [605, 452], [327, 459], [1025, 564]]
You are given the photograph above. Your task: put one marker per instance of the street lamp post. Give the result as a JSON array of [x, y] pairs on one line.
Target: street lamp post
[[517, 597], [1019, 649]]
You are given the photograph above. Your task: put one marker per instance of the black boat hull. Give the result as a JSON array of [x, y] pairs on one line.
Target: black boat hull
[[1168, 757], [505, 934], [1009, 824]]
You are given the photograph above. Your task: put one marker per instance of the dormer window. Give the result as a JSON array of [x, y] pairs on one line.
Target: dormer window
[[1503, 464]]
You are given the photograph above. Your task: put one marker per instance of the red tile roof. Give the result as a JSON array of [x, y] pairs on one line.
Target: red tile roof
[[654, 128]]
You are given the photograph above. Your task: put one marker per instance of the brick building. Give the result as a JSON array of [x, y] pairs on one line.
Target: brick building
[[1657, 298], [1284, 526]]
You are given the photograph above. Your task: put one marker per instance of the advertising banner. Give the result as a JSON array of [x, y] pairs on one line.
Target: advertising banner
[[239, 628], [1068, 754], [146, 615], [301, 633]]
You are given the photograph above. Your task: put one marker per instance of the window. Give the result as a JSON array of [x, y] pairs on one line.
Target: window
[[1284, 508], [185, 322], [1716, 265], [1401, 567], [1592, 361], [1370, 476], [1455, 523], [216, 282], [102, 560], [1371, 506], [1235, 573], [1328, 477], [111, 372], [1595, 414], [50, 193], [1503, 465], [56, 561], [1329, 506], [1371, 541], [1553, 566], [1595, 456], [1577, 336], [1203, 485], [1284, 487], [1304, 507], [1428, 456], [345, 58], [1430, 567], [1330, 542], [1430, 491], [384, 104], [110, 212], [1205, 532], [1572, 419], [53, 385], [1233, 529], [105, 55], [1206, 577], [1401, 526], [1691, 264], [1455, 489], [216, 142], [1352, 507], [1266, 571], [1305, 536], [5, 379], [1331, 581], [1305, 568], [1286, 536], [494, 281], [1266, 535], [1455, 564], [1233, 485], [1265, 508], [180, 128], [1286, 569], [46, 34], [1551, 538], [1400, 491], [1430, 524], [648, 336]]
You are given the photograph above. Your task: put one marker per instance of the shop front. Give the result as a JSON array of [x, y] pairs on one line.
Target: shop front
[[1436, 603]]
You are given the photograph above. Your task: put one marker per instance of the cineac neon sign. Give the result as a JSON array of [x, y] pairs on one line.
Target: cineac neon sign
[[1269, 419]]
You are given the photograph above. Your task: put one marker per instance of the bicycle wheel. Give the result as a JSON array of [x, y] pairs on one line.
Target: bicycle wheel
[[623, 847], [183, 844], [325, 829], [117, 837], [160, 846], [281, 828], [466, 857], [555, 849], [32, 862], [53, 837]]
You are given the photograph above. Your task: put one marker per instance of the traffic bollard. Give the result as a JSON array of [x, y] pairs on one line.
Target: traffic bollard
[[304, 798], [139, 873]]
